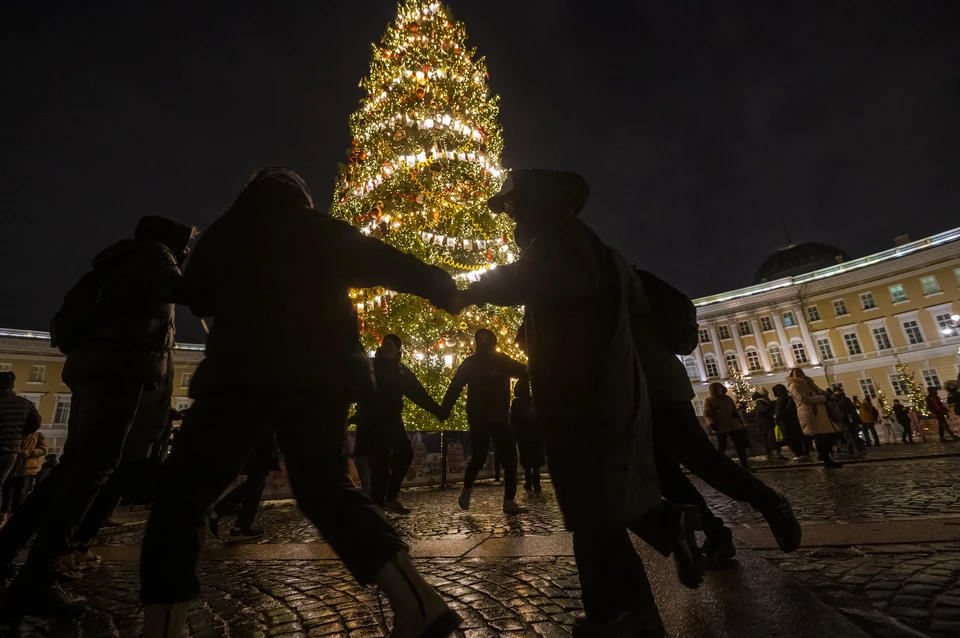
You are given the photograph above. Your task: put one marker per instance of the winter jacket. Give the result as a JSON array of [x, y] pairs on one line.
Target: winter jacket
[[670, 384], [811, 407], [488, 396], [765, 411], [32, 451], [785, 411], [953, 400], [936, 407], [585, 373], [135, 335], [903, 415], [868, 413], [153, 414], [850, 412], [275, 276], [380, 414], [721, 414], [18, 417]]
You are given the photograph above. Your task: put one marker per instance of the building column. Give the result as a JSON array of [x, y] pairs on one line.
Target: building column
[[784, 342], [741, 357], [721, 360], [702, 369], [813, 354], [761, 344]]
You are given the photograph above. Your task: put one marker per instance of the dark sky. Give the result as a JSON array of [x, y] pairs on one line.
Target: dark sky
[[707, 130]]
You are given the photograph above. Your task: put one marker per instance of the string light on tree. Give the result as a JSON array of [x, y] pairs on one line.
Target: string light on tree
[[742, 389], [915, 393], [423, 161]]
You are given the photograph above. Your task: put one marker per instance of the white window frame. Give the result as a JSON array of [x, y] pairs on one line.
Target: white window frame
[[789, 319], [868, 388], [934, 290], [931, 378], [864, 305], [942, 318], [776, 355], [708, 361], [731, 359], [850, 331], [744, 328], [824, 346], [893, 296], [911, 317], [34, 370], [705, 335], [753, 360], [185, 379], [813, 314], [724, 332], [838, 305], [183, 403], [899, 389], [766, 324], [6, 367], [62, 399], [33, 397], [799, 350], [698, 405]]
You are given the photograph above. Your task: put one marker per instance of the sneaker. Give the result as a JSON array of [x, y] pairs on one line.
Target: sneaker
[[511, 507], [784, 525], [719, 548], [395, 507], [464, 499], [86, 560], [213, 525], [67, 570], [237, 534]]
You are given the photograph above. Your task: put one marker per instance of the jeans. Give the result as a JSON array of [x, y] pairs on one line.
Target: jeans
[[869, 428], [907, 432], [389, 462], [15, 490], [678, 439], [506, 447], [217, 436], [101, 415], [7, 461], [739, 438]]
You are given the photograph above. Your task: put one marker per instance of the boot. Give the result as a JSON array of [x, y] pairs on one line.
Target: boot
[[829, 463], [511, 507], [528, 479], [718, 548], [535, 474], [464, 499], [165, 621], [418, 610], [784, 524]]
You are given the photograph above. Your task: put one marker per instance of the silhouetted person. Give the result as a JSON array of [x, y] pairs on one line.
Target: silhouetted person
[[18, 417], [940, 413], [246, 496], [903, 418], [523, 420]]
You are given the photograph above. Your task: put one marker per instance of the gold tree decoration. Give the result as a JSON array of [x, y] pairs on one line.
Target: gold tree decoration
[[742, 389], [423, 161], [916, 394]]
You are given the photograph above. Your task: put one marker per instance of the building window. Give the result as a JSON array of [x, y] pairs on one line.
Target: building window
[[881, 338], [912, 330], [840, 308], [711, 363], [867, 389], [38, 374], [776, 357], [897, 294], [732, 361], [33, 397], [866, 301], [691, 365], [184, 402], [931, 378], [745, 328], [799, 353], [930, 285], [766, 324], [956, 275], [852, 343], [899, 387], [698, 406], [62, 414], [753, 360], [789, 320], [724, 332], [943, 320], [826, 350], [5, 367], [185, 379], [704, 336], [813, 313]]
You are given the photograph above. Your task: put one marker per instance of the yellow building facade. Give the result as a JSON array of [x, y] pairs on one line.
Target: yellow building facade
[[848, 323]]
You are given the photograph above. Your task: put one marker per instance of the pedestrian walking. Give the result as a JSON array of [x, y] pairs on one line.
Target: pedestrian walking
[[814, 416], [245, 498], [523, 420], [23, 477], [765, 411], [851, 420], [723, 418], [886, 426], [487, 374], [953, 397], [903, 418], [116, 327], [18, 418], [592, 399], [248, 275], [380, 422], [785, 416], [868, 420], [940, 413]]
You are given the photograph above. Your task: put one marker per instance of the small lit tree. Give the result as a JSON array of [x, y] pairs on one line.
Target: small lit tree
[[915, 393], [742, 389]]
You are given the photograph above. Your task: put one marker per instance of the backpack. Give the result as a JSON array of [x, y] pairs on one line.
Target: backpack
[[79, 313], [674, 314]]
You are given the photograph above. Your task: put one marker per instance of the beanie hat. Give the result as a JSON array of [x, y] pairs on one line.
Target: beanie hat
[[6, 380]]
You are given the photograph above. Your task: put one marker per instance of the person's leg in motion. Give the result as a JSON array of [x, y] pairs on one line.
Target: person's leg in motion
[[740, 442], [479, 445], [312, 435], [722, 442], [401, 459], [100, 510], [824, 443], [506, 447], [256, 482]]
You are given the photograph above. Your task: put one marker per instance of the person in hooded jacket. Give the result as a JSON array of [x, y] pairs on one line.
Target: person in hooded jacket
[[380, 422], [487, 373], [903, 418], [814, 416], [273, 275], [868, 420], [18, 418], [523, 420], [940, 413], [124, 350], [592, 399], [764, 409], [785, 415], [725, 421]]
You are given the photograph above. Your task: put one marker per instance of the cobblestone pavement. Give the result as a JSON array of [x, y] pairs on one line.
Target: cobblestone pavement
[[866, 491], [517, 597], [892, 591]]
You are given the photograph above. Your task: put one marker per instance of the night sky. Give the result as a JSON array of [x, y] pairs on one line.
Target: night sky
[[709, 132]]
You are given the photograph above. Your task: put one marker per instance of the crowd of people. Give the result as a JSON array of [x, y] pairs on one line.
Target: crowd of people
[[603, 397]]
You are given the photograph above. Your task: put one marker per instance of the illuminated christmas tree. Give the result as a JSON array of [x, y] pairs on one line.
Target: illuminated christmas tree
[[915, 393], [424, 160], [742, 389]]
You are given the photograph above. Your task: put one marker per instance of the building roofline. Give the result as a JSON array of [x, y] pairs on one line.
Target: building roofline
[[39, 335], [830, 271]]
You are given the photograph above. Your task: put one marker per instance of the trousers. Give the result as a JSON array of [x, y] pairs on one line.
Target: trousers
[[944, 426], [15, 490], [506, 448], [104, 504], [218, 435], [868, 429], [102, 412], [739, 438], [389, 461]]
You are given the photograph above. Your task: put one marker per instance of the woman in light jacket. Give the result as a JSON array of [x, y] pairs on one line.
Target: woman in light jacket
[[723, 418], [814, 418]]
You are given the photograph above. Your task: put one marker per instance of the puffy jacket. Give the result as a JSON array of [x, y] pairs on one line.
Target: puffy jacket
[[765, 413], [868, 413], [488, 397], [18, 417], [32, 451], [935, 405], [811, 407], [721, 414], [136, 333]]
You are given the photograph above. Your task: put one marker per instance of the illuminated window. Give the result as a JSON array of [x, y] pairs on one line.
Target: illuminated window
[[753, 360], [711, 364], [897, 294], [5, 367], [930, 285], [698, 406], [789, 320], [691, 365], [813, 313]]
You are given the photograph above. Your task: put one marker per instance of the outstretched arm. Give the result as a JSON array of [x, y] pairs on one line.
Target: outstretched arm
[[453, 392], [414, 390]]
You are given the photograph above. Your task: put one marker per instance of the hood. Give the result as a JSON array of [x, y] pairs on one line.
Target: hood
[[121, 249], [275, 187], [779, 390]]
